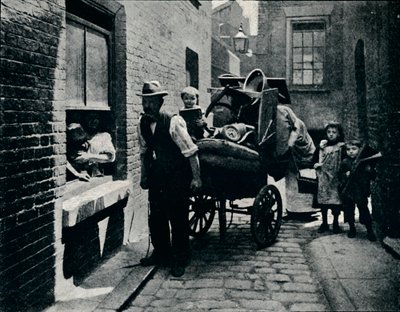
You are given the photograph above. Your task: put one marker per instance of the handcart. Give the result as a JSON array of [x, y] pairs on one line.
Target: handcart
[[236, 160]]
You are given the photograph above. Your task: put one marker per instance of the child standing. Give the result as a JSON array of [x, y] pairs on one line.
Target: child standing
[[192, 113], [355, 178], [327, 168]]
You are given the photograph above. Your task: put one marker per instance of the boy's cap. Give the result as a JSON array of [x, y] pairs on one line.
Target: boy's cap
[[152, 88], [190, 90]]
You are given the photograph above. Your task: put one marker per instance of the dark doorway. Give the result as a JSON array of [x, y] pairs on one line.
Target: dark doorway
[[361, 89]]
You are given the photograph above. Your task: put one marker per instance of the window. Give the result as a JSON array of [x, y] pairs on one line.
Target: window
[[308, 53], [87, 67], [89, 119], [192, 68]]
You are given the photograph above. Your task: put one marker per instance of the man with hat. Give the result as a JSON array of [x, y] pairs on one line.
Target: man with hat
[[169, 170]]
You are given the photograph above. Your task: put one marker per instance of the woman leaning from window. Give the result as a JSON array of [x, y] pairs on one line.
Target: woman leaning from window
[[100, 147]]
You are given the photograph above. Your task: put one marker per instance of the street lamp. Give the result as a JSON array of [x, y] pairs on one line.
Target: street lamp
[[240, 41]]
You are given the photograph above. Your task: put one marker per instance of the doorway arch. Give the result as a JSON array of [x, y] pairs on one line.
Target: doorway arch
[[361, 90]]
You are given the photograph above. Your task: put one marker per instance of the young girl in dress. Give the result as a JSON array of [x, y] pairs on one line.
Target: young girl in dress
[[331, 152]]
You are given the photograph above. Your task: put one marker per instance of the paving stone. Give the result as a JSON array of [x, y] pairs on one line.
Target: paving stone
[[166, 293], [215, 304], [259, 285], [299, 287], [278, 277], [287, 244], [237, 284], [143, 301], [296, 272], [290, 266], [308, 307], [203, 293], [264, 305], [294, 297], [204, 283], [303, 279], [273, 286], [178, 284], [294, 250], [248, 294], [287, 255], [265, 270], [163, 303]]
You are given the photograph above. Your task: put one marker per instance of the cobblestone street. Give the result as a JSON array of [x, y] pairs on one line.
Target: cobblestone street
[[234, 276]]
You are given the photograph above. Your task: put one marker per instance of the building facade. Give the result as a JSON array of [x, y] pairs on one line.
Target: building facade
[[340, 59], [226, 19], [60, 60]]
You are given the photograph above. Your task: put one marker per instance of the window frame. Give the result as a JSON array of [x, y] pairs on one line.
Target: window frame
[[290, 21], [109, 40], [192, 70]]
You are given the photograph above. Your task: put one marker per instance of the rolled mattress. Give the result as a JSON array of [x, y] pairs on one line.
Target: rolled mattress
[[229, 169], [218, 153]]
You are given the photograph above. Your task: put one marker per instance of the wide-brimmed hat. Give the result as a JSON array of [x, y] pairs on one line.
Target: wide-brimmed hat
[[152, 88]]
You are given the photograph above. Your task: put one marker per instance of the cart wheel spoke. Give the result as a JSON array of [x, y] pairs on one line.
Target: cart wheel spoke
[[201, 214]]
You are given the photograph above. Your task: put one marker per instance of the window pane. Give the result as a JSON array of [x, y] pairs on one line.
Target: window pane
[[297, 77], [318, 77], [75, 64], [319, 55], [309, 26], [298, 65], [319, 38], [96, 68], [308, 52], [308, 57], [297, 39], [308, 65], [308, 77], [297, 55], [307, 37]]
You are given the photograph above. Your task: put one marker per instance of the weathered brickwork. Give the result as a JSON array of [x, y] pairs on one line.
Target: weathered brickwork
[[32, 140], [156, 49], [146, 46], [375, 24]]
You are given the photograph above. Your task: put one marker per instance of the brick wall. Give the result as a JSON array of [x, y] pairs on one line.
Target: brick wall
[[220, 60], [32, 128], [32, 145], [376, 25], [156, 51]]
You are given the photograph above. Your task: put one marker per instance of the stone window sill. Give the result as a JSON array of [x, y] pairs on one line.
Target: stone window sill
[[82, 199]]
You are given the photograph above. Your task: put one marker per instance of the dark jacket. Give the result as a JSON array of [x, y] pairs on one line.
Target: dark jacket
[[168, 170], [357, 185]]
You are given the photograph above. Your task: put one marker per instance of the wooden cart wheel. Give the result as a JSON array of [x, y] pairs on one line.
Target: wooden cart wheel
[[201, 214], [266, 216]]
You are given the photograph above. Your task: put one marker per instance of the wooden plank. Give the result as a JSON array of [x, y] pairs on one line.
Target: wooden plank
[[267, 114]]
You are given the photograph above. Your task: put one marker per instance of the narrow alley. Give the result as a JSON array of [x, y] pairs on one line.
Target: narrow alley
[[234, 276]]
